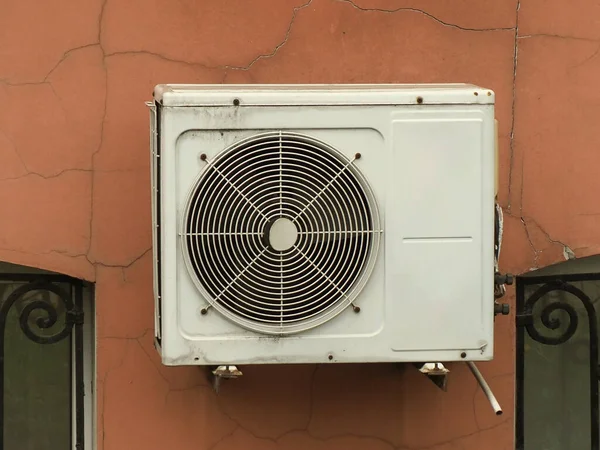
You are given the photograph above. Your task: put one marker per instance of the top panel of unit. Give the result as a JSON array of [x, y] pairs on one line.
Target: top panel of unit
[[320, 94]]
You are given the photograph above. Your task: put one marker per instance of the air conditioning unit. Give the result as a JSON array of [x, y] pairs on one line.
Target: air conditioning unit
[[323, 223]]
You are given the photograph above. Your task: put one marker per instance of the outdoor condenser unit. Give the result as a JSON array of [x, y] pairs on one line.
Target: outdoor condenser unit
[[323, 223]]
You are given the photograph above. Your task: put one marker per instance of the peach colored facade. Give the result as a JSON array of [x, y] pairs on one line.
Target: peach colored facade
[[74, 186]]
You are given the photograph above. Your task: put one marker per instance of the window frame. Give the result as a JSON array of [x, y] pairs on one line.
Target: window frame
[[88, 379]]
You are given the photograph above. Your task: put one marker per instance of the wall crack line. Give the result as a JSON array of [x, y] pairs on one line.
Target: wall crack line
[[425, 13], [557, 36], [123, 266], [226, 66], [514, 100]]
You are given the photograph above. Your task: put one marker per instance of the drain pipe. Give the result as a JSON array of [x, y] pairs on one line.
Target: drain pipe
[[485, 388]]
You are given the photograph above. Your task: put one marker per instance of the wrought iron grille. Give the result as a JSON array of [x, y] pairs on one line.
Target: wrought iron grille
[[557, 368], [48, 311]]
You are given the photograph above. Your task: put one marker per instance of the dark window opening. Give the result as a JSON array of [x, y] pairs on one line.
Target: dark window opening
[[46, 360], [558, 309]]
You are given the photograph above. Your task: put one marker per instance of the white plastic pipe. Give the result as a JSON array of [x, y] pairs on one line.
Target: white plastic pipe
[[485, 388]]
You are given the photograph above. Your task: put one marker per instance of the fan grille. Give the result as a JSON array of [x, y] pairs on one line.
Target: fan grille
[[280, 232]]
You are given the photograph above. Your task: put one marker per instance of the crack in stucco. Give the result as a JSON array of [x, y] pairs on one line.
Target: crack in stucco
[[93, 162], [138, 339], [311, 406], [453, 440], [100, 21], [278, 46], [238, 426], [514, 101], [46, 81], [586, 60], [230, 434], [425, 13], [14, 149], [273, 439], [66, 171], [162, 57], [224, 67], [160, 374], [65, 56], [307, 433], [104, 382], [125, 338], [19, 84], [363, 437], [49, 252], [558, 36], [101, 137], [474, 404], [92, 171], [45, 177], [123, 266], [536, 253], [276, 439], [568, 253]]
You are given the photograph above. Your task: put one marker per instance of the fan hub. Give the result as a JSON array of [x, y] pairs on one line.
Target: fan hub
[[283, 234]]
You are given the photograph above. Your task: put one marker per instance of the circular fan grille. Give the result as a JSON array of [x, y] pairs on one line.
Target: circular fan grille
[[280, 232]]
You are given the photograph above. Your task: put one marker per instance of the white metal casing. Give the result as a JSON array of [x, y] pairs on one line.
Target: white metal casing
[[428, 154]]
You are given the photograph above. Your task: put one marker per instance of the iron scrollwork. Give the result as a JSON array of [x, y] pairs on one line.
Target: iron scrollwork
[[554, 323], [48, 314], [551, 321], [50, 311]]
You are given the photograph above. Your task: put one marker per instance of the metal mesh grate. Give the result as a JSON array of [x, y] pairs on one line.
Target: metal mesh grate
[[280, 232]]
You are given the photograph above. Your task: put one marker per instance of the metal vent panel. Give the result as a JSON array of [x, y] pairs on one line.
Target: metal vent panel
[[280, 232]]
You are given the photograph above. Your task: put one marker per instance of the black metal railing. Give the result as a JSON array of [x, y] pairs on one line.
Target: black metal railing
[[551, 310], [49, 310]]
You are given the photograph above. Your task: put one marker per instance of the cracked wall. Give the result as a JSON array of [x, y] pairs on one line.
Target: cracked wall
[[74, 186]]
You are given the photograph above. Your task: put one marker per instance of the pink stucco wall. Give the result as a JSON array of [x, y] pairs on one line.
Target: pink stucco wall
[[74, 189]]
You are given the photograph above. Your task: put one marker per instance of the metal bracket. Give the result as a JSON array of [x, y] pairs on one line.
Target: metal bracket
[[223, 372], [436, 372], [522, 320], [75, 316]]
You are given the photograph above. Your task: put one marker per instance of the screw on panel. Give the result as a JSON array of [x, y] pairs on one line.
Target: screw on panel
[[489, 93], [204, 310], [357, 156], [203, 157], [236, 102], [463, 355], [419, 100], [330, 357], [355, 308], [476, 93]]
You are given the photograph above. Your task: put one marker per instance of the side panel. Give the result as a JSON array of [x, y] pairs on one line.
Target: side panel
[[155, 203], [439, 230]]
